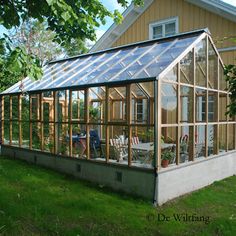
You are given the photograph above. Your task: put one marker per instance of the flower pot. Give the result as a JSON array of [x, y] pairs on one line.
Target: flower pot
[[164, 163]]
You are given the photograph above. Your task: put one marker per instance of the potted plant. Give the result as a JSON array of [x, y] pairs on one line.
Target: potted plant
[[166, 157]]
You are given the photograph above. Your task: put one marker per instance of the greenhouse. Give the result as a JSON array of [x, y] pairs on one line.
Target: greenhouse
[[127, 116]]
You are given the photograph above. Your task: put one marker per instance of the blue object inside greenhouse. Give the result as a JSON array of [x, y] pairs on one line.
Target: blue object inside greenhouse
[[135, 62]]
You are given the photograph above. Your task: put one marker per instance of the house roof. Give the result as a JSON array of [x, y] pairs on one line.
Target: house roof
[[132, 13], [137, 62]]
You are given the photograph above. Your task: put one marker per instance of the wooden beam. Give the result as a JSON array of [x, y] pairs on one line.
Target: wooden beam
[[104, 90], [144, 90], [158, 122], [178, 129], [66, 106], [107, 118], [2, 119], [70, 125], [129, 117], [194, 105], [185, 76], [217, 111], [10, 108], [31, 125], [98, 95], [55, 116], [86, 112], [20, 118], [207, 101], [41, 120]]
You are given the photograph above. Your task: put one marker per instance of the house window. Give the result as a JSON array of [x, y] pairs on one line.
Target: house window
[[163, 28], [141, 110]]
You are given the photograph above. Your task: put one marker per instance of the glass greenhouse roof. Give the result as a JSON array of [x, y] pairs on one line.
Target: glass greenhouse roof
[[137, 62]]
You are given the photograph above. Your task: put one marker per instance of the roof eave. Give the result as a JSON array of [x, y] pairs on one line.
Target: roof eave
[[217, 7], [115, 30]]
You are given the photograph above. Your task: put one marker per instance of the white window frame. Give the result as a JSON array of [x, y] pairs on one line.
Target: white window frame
[[164, 22]]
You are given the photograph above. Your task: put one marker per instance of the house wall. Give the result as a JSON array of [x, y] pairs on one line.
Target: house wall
[[190, 16]]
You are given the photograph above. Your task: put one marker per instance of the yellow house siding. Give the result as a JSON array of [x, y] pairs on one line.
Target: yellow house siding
[[228, 57], [190, 16]]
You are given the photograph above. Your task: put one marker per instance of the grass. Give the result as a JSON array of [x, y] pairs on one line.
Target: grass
[[37, 201]]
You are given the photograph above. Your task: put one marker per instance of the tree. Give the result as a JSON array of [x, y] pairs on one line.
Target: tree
[[68, 19], [230, 73], [16, 64], [75, 47], [37, 40]]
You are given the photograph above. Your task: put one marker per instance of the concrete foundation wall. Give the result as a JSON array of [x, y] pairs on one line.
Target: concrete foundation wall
[[130, 180], [176, 181], [171, 182]]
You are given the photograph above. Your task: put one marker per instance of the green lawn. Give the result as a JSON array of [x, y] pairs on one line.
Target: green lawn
[[36, 201]]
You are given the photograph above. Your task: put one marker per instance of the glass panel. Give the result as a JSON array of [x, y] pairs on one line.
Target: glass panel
[[35, 107], [142, 146], [142, 104], [201, 63], [80, 76], [222, 81], [78, 105], [231, 137], [63, 139], [48, 106], [15, 108], [15, 133], [97, 98], [79, 141], [186, 144], [169, 53], [25, 134], [223, 106], [200, 141], [212, 106], [186, 69], [48, 131], [212, 141], [169, 103], [149, 87], [200, 105], [6, 132], [62, 106], [71, 77], [97, 142], [117, 104], [222, 138], [6, 107], [170, 29], [230, 118], [113, 60], [118, 141], [186, 104], [168, 146], [25, 108], [212, 67], [171, 75], [36, 135], [157, 31], [111, 68], [152, 54]]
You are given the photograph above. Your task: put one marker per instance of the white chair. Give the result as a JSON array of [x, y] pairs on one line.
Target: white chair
[[118, 150]]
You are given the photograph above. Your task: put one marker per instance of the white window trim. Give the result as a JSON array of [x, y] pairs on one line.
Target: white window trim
[[162, 22]]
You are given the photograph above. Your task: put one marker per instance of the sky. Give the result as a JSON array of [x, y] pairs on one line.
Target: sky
[[111, 5]]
